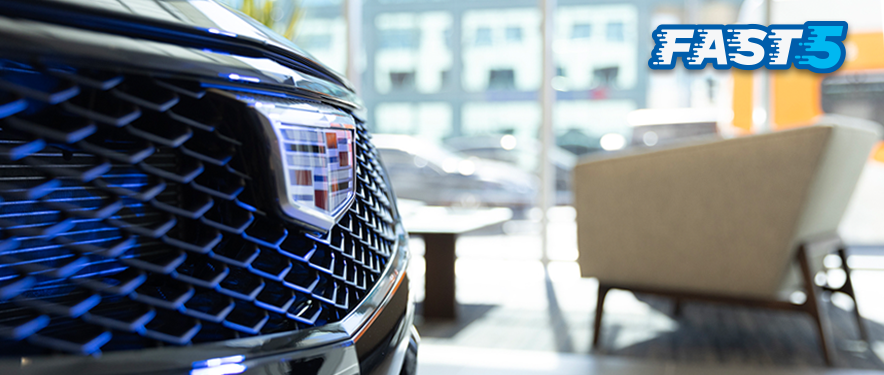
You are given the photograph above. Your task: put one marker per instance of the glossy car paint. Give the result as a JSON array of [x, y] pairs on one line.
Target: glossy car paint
[[228, 53]]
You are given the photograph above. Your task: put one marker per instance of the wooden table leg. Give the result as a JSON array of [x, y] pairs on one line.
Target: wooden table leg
[[439, 297], [814, 305]]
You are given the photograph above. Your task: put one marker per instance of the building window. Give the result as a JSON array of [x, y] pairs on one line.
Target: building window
[[401, 81], [605, 77], [514, 34], [483, 36], [502, 79], [560, 71], [399, 38], [614, 31], [581, 31]]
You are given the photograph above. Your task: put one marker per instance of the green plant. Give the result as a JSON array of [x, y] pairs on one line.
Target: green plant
[[280, 15]]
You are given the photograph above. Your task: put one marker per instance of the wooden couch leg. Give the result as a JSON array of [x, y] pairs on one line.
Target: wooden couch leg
[[599, 309], [848, 289], [812, 304], [676, 311]]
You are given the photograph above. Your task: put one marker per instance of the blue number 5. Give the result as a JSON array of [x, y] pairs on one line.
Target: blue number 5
[[822, 50]]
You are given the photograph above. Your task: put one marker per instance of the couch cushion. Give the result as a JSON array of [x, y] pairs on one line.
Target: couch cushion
[[717, 217]]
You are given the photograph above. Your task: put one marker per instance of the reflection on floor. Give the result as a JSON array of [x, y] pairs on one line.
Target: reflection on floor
[[437, 359], [512, 307]]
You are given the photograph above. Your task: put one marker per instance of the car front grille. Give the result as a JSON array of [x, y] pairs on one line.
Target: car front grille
[[131, 217]]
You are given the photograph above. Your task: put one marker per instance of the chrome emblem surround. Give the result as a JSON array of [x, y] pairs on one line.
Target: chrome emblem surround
[[312, 148]]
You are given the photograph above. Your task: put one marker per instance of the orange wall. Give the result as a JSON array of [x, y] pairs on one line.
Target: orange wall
[[795, 93], [742, 106]]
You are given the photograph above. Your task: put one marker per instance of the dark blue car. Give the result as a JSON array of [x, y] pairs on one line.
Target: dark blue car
[[183, 191]]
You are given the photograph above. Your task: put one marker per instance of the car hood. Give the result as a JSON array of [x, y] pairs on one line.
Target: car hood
[[212, 39]]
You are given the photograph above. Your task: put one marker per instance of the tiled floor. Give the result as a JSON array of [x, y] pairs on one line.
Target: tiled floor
[[504, 271], [437, 359], [520, 318]]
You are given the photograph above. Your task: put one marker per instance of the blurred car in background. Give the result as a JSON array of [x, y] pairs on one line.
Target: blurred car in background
[[661, 127], [525, 155], [578, 142], [427, 172]]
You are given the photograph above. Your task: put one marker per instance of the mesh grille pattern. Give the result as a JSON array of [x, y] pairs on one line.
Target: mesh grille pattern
[[129, 220]]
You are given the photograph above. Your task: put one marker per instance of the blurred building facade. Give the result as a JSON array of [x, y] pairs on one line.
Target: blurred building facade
[[448, 68]]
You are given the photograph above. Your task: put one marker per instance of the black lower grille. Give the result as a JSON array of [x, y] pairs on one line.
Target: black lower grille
[[131, 218]]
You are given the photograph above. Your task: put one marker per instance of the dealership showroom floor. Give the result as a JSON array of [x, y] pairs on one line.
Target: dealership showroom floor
[[518, 317]]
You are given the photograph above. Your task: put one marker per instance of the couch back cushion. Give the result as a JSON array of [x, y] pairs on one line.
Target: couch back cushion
[[717, 217]]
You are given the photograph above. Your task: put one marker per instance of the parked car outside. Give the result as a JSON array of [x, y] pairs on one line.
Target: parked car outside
[[525, 155], [427, 172]]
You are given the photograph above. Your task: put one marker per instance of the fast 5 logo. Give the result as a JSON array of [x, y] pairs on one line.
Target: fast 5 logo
[[816, 46]]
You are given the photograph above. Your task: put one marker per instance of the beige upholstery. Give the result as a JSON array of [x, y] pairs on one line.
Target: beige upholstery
[[715, 217]]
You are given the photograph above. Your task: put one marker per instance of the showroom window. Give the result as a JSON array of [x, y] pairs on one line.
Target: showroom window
[[581, 31], [614, 31], [605, 77], [400, 39], [402, 80], [501, 79], [431, 120], [483, 37], [413, 50], [513, 34]]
